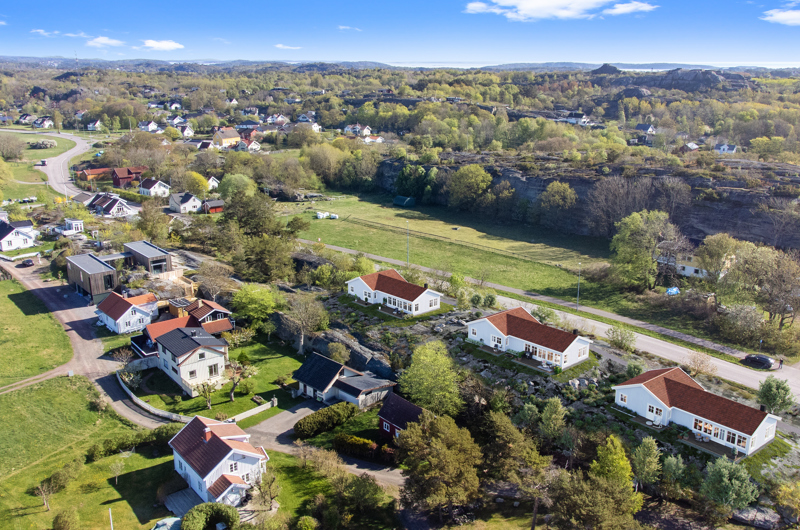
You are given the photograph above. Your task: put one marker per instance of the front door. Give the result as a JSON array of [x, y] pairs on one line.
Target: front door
[[651, 412]]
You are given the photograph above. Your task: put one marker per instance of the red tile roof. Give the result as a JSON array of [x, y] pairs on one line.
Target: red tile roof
[[200, 308], [203, 456], [390, 282], [218, 326], [519, 323], [223, 483], [115, 306], [676, 389], [159, 328]]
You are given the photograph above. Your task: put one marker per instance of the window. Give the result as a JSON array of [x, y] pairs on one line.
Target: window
[[731, 438], [651, 410], [366, 295], [623, 398], [708, 428], [213, 370], [717, 433], [173, 357], [565, 359], [192, 374], [386, 426], [416, 307], [433, 302], [234, 467], [769, 432], [474, 331], [180, 465], [247, 477], [497, 340], [175, 370], [352, 289], [659, 412], [741, 441], [201, 356], [549, 356], [528, 348], [557, 358], [128, 324]]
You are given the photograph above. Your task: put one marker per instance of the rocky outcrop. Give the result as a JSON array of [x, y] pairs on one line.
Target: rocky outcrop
[[688, 80], [607, 69]]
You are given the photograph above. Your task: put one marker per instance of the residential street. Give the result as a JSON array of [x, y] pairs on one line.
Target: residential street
[[667, 350]]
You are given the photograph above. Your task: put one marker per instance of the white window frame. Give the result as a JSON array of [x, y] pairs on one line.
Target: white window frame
[[201, 356], [234, 467], [192, 374], [623, 398], [474, 331], [386, 426], [497, 340]]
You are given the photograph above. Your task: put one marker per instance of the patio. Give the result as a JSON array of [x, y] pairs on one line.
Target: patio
[[711, 447], [532, 363], [647, 423], [391, 312]]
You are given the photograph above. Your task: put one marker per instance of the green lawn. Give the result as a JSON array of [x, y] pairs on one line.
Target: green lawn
[[43, 247], [300, 485], [31, 340], [363, 425], [372, 311], [765, 457], [15, 190], [63, 146], [271, 360], [112, 341], [50, 424], [24, 172]]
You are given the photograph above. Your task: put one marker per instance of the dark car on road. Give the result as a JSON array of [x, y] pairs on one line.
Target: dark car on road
[[28, 263], [759, 360]]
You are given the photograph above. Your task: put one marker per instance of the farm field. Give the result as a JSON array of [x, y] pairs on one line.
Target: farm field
[[31, 341]]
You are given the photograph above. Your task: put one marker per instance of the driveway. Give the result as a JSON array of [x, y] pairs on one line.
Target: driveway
[[78, 319], [275, 434]]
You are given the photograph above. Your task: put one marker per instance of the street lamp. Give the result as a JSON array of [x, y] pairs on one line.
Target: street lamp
[[578, 302]]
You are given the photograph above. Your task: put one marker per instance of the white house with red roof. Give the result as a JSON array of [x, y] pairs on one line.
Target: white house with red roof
[[217, 460], [126, 315], [392, 290], [671, 396], [516, 330]]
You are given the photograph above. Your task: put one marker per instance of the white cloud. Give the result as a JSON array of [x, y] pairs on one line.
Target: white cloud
[[348, 28], [630, 7], [80, 34], [788, 17], [223, 41], [2, 23], [285, 47], [102, 42], [162, 45], [562, 9], [44, 33]]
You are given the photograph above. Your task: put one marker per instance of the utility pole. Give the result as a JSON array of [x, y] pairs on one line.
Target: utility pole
[[578, 302], [110, 519], [408, 261]]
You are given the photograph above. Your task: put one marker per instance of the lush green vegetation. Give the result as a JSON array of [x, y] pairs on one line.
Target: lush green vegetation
[[271, 360], [765, 457], [16, 190], [31, 340], [24, 172], [63, 145], [363, 425]]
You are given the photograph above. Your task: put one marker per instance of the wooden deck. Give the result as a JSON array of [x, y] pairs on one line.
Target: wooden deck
[[532, 363], [182, 501], [712, 448]]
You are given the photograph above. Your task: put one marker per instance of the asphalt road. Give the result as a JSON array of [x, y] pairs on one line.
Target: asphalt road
[[661, 348]]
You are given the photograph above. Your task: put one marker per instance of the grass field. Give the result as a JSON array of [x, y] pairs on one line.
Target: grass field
[[271, 360], [63, 146], [31, 341], [50, 424], [24, 172], [363, 425], [15, 190]]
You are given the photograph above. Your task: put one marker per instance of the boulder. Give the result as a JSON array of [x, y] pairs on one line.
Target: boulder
[[758, 517]]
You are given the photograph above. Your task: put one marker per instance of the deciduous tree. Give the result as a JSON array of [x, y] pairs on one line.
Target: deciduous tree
[[432, 381], [215, 278], [775, 394], [236, 373], [728, 484], [467, 185], [552, 419], [646, 462], [306, 313], [700, 363], [636, 246], [255, 304]]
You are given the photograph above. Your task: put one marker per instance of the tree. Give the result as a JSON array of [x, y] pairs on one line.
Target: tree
[[788, 494], [11, 148], [206, 390], [236, 373], [552, 419], [440, 461], [432, 381], [674, 195], [621, 338], [715, 255], [613, 199], [636, 246], [306, 313], [67, 519], [728, 484], [255, 215], [153, 222], [172, 133], [594, 502], [236, 185], [779, 289], [43, 490], [556, 200], [783, 214], [215, 278], [265, 259], [646, 462], [508, 449], [339, 352], [536, 483], [123, 356], [634, 369], [116, 469], [672, 477], [195, 183], [611, 462], [775, 394], [467, 185], [255, 303], [700, 363], [268, 488], [364, 493]]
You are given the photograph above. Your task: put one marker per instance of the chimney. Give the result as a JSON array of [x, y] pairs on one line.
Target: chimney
[[193, 333], [763, 408], [575, 331], [206, 435], [199, 303], [425, 286]]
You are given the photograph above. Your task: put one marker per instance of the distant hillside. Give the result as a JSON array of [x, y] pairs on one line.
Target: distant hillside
[[567, 66]]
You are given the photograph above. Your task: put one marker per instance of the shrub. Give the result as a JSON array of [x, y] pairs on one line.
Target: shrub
[[489, 300], [67, 519], [208, 515], [353, 445], [244, 359], [623, 339], [61, 478], [221, 416], [304, 523], [325, 419], [476, 300]]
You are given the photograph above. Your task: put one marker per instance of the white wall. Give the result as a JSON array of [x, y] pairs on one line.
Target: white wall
[[16, 239], [194, 364]]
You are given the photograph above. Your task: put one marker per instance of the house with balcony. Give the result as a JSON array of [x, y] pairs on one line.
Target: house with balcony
[[516, 330], [217, 460], [190, 356], [327, 381], [390, 289], [669, 396]]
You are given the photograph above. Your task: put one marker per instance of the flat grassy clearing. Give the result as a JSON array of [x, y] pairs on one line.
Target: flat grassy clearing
[[271, 360], [111, 340], [765, 457], [52, 423], [363, 425], [533, 242], [300, 485], [63, 146], [24, 172], [15, 190], [31, 341]]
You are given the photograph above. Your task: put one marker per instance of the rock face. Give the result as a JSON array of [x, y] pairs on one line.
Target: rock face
[[758, 517], [688, 80], [607, 69]]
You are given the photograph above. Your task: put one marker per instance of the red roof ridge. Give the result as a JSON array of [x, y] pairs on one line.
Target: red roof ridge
[[519, 323], [157, 329]]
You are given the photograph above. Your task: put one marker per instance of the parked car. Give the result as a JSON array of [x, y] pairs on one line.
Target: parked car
[[28, 263], [760, 360]]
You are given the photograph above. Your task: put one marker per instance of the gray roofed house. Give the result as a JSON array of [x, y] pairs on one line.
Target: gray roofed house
[[91, 276], [191, 356], [326, 380], [154, 259], [182, 341], [395, 415], [646, 128], [83, 198], [184, 202]]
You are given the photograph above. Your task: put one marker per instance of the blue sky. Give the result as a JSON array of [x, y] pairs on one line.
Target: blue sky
[[412, 32]]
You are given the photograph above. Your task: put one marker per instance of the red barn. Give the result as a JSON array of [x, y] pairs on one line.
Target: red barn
[[395, 414], [216, 206], [123, 176]]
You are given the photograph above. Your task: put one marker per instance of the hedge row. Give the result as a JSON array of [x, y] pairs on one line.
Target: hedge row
[[325, 419], [355, 446], [123, 442], [208, 515]]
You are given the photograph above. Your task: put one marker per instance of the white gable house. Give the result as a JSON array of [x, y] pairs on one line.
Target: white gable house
[[217, 460], [184, 203], [15, 235], [515, 330], [671, 396], [191, 356], [389, 288], [153, 188], [327, 381], [126, 315]]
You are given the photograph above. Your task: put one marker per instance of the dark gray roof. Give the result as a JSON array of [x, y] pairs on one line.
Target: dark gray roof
[[149, 184], [357, 385], [90, 264], [181, 341], [83, 197], [5, 229], [146, 249], [27, 223], [182, 198], [398, 411], [318, 371], [643, 127], [215, 203]]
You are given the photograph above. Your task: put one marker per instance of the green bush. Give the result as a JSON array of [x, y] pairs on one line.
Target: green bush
[[158, 436], [61, 478], [67, 519], [476, 300], [304, 523], [489, 300], [353, 445], [208, 515], [325, 419]]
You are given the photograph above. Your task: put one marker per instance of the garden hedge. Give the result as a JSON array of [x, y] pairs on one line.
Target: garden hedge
[[354, 445], [325, 419], [208, 515]]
